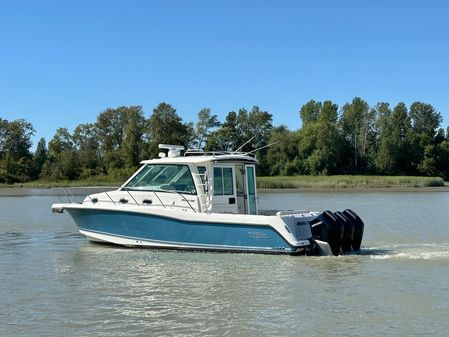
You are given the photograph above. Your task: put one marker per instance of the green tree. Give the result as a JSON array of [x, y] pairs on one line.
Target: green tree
[[251, 127], [309, 112], [283, 156], [358, 122], [165, 126], [3, 130], [16, 158], [401, 141], [132, 150], [120, 132], [63, 157], [204, 126], [425, 123], [246, 131], [111, 128], [87, 145], [39, 158], [425, 119], [321, 142], [255, 124], [442, 159], [61, 141], [227, 137], [384, 156], [394, 151]]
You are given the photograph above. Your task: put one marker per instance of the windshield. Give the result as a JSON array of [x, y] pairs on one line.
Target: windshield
[[162, 177]]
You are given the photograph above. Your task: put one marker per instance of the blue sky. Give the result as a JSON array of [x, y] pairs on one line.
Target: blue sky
[[63, 62]]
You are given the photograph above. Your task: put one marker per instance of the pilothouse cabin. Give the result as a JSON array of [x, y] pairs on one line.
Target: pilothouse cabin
[[223, 182]]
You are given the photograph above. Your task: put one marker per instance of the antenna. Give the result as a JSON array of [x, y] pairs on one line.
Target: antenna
[[245, 144], [262, 147]]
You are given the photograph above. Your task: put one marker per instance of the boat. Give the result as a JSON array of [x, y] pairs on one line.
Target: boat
[[207, 201]]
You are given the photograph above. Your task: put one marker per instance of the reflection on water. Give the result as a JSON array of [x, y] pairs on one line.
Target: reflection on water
[[54, 282]]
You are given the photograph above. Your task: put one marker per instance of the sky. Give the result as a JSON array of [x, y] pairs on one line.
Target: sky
[[64, 62]]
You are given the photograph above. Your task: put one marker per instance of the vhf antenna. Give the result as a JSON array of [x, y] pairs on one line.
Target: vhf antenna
[[241, 147]]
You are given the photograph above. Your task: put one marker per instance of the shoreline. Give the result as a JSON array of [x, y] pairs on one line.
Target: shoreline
[[392, 189], [51, 191], [78, 191]]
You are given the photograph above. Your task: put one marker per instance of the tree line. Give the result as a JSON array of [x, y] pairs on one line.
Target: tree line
[[353, 139]]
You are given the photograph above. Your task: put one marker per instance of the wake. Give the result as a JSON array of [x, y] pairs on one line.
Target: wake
[[418, 251]]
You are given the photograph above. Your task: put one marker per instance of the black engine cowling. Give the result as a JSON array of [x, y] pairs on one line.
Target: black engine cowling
[[348, 232], [358, 228], [327, 227], [343, 231]]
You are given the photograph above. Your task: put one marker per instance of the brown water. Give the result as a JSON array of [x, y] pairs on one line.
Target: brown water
[[55, 283]]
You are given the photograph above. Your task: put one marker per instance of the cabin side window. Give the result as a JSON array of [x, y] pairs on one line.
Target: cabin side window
[[223, 182]]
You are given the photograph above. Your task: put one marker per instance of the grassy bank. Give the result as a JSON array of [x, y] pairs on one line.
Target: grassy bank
[[311, 182], [98, 181], [343, 181]]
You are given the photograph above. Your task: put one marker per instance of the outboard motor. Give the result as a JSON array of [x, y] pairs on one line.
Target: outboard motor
[[358, 224], [327, 227], [348, 232]]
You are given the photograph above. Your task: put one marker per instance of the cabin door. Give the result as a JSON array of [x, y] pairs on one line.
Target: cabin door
[[224, 191], [240, 182], [245, 179], [251, 193]]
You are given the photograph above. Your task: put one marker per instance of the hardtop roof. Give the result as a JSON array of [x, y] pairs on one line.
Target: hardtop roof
[[227, 157]]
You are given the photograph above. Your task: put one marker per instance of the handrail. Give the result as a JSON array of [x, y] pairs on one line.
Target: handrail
[[132, 197], [159, 199], [66, 196], [91, 200], [175, 192], [204, 183], [57, 195], [187, 201], [110, 197], [69, 195], [218, 153]]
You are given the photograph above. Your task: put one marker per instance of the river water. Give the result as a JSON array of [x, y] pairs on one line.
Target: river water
[[53, 282]]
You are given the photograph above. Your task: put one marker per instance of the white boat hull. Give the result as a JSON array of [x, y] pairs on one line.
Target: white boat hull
[[178, 229]]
